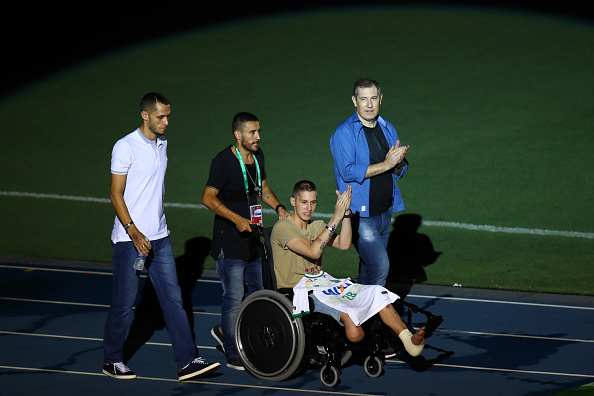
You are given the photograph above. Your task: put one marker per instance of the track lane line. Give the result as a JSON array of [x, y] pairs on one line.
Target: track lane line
[[212, 383], [460, 366], [104, 273], [430, 297], [32, 300], [443, 331], [482, 300]]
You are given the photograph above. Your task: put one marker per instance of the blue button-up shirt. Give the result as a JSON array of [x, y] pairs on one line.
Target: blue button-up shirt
[[351, 159]]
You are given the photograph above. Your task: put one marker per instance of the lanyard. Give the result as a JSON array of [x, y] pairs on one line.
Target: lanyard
[[258, 188]]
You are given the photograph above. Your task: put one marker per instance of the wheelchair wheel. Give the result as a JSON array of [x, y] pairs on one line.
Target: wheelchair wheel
[[270, 341], [330, 376], [374, 366]]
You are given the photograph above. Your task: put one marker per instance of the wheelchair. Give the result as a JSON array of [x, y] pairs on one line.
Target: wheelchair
[[274, 345]]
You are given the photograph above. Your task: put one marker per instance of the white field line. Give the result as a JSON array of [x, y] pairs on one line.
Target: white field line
[[449, 224], [387, 362]]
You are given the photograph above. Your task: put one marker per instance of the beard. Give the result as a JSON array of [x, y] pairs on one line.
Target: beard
[[249, 146], [154, 130]]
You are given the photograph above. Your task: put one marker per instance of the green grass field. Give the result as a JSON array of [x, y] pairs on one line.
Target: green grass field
[[496, 107], [585, 390]]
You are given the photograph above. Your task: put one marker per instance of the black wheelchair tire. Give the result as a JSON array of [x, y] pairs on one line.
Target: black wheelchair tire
[[329, 376], [374, 366], [270, 341]]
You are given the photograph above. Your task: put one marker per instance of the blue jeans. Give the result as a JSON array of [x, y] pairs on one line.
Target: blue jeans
[[239, 279], [161, 269], [326, 309], [371, 242]]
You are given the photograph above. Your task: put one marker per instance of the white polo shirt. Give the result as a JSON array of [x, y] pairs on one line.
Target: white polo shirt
[[145, 164]]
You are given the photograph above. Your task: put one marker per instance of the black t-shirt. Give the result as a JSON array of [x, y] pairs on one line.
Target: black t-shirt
[[381, 186], [226, 176]]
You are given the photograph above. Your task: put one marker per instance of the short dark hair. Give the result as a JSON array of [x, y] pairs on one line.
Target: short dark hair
[[150, 100], [303, 185], [240, 119], [366, 82]]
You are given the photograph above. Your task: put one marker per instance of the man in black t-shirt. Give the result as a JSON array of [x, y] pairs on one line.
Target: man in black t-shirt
[[235, 190]]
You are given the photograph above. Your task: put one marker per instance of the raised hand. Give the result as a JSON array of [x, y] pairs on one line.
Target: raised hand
[[343, 203], [396, 154]]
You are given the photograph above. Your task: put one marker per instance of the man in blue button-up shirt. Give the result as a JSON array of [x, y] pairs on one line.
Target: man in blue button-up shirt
[[368, 157]]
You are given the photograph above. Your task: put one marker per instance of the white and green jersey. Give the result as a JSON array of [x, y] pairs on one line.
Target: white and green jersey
[[360, 302]]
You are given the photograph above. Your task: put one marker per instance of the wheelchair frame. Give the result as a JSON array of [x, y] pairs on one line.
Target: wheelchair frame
[[273, 345]]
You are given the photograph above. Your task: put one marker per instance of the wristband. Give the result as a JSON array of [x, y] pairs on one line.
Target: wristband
[[279, 206], [128, 225]]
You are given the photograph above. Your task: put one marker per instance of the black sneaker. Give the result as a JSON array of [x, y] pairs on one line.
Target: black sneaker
[[196, 368], [118, 370], [217, 333], [235, 363], [388, 350]]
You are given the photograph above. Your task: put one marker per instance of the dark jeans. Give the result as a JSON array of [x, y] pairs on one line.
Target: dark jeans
[[236, 276], [161, 269], [371, 241]]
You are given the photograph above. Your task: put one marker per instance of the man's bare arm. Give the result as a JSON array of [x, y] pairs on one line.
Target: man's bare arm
[[269, 198], [328, 237], [118, 185], [211, 200]]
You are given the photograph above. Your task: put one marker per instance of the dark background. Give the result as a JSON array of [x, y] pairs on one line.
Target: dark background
[[39, 40]]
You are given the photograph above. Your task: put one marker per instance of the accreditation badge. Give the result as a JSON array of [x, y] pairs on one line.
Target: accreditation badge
[[256, 215]]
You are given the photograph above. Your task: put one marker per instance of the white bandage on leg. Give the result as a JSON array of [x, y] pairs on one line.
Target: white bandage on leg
[[412, 349]]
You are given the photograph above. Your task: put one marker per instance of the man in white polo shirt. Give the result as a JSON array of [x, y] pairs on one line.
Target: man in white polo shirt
[[138, 166]]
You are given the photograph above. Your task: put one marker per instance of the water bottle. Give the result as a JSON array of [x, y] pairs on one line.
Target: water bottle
[[139, 262]]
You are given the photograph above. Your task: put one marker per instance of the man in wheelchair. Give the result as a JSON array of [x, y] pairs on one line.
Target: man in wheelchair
[[297, 247]]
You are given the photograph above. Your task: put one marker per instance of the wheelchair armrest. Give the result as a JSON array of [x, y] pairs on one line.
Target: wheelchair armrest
[[287, 292]]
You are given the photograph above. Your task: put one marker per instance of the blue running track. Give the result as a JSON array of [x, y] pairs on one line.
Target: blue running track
[[52, 314]]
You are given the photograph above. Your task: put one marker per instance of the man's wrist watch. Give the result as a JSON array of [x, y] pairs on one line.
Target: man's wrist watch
[[331, 229]]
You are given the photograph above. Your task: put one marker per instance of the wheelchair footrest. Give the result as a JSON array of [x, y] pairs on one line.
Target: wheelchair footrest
[[433, 323]]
